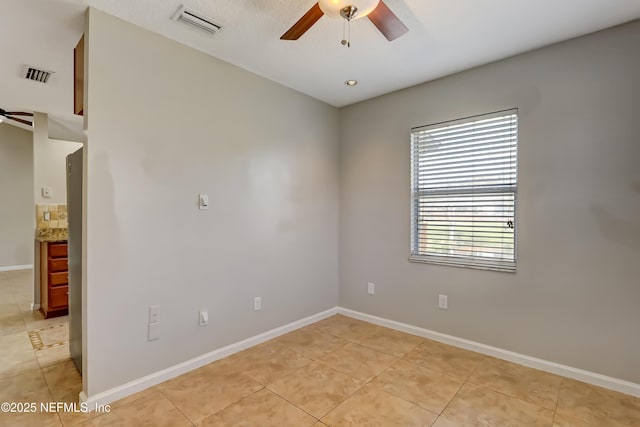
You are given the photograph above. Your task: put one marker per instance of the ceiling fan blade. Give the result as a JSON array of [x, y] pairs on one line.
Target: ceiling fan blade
[[387, 22], [18, 113], [303, 24], [19, 120]]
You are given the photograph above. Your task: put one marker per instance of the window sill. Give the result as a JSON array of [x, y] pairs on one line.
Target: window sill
[[505, 267]]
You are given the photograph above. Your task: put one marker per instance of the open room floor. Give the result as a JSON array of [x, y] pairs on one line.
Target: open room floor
[[339, 371], [342, 371], [35, 365]]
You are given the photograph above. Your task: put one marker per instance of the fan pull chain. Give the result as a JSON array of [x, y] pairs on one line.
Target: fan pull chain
[[346, 41]]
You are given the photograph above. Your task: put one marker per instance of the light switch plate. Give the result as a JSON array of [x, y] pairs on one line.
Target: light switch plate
[[154, 331], [47, 192], [154, 313], [203, 202], [204, 317], [257, 304], [443, 302]]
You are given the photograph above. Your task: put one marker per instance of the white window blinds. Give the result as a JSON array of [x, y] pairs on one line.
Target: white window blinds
[[463, 192]]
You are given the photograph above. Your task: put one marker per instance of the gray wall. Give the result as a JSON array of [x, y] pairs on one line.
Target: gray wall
[[575, 298], [17, 211], [267, 157]]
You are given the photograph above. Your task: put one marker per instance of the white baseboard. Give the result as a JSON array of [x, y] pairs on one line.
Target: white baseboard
[[16, 267], [35, 307], [155, 378], [611, 383]]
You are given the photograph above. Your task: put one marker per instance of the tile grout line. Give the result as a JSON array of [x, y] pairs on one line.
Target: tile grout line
[[391, 394], [467, 380], [504, 393], [451, 400], [44, 379], [422, 340], [436, 370], [470, 381], [326, 366], [174, 405], [350, 341], [433, 368], [555, 411], [507, 395], [357, 390], [292, 403], [401, 358], [162, 392]]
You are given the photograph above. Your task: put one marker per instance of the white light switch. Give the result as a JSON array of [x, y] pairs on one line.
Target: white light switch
[[203, 202], [204, 317], [154, 331], [47, 192]]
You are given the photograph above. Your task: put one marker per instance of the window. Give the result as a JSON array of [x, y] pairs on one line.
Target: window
[[463, 192]]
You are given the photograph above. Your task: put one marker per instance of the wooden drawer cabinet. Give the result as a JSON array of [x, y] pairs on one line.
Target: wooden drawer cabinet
[[54, 279], [58, 298], [57, 250], [58, 264], [57, 279]]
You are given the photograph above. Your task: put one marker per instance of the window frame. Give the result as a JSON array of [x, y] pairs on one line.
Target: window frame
[[475, 262]]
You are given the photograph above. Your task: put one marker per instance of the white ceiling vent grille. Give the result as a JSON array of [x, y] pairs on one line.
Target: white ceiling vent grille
[[36, 74], [196, 20]]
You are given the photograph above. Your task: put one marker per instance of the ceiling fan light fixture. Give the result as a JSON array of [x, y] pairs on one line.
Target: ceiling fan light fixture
[[333, 8]]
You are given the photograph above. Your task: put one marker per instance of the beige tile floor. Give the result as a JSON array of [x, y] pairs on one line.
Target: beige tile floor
[[337, 372], [34, 354]]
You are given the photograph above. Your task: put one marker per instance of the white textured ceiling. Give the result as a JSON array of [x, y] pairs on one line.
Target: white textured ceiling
[[445, 36]]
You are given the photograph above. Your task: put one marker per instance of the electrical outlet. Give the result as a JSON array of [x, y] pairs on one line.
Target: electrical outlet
[[154, 331], [443, 302], [257, 304], [371, 288]]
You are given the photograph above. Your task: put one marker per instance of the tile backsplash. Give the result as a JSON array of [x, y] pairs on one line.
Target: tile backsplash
[[57, 216]]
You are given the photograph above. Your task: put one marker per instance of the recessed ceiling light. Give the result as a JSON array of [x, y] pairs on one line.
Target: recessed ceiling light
[[351, 82]]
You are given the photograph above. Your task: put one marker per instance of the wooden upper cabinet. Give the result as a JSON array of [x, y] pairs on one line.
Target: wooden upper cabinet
[[78, 74]]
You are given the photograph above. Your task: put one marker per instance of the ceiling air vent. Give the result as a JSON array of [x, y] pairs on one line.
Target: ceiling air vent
[[36, 74], [196, 20]]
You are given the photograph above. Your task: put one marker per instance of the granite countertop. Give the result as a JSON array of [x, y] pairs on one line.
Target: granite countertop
[[51, 234]]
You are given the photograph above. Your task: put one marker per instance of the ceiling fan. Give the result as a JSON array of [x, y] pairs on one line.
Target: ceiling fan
[[8, 115], [376, 10]]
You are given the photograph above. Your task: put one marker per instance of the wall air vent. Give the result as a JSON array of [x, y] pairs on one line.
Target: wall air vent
[[36, 74], [196, 20]]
